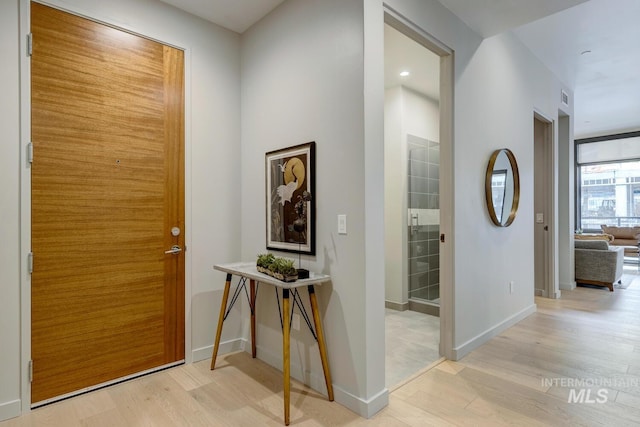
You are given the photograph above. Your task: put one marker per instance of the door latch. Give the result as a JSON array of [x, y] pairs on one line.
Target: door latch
[[175, 249]]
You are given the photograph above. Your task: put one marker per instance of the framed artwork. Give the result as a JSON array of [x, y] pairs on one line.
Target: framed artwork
[[290, 179]]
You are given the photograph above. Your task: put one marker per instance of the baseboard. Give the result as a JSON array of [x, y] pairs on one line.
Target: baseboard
[[315, 380], [461, 351], [568, 286], [364, 408], [399, 306], [230, 346], [10, 409], [425, 308], [541, 293]]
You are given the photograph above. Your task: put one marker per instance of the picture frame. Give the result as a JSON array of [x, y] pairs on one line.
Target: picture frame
[[290, 199]]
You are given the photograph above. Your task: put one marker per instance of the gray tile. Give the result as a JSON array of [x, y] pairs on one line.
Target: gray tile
[[412, 340]]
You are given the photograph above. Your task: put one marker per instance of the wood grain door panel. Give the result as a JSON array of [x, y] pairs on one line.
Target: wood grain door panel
[[107, 186]]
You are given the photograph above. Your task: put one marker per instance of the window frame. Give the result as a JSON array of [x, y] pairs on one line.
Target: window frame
[[578, 172]]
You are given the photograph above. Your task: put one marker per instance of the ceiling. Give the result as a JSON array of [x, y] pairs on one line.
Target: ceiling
[[606, 78], [235, 15], [402, 54], [605, 82]]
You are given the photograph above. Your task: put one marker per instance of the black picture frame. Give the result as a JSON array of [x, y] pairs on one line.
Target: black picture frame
[[290, 199]]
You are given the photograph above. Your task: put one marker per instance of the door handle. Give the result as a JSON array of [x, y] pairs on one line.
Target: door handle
[[175, 249]]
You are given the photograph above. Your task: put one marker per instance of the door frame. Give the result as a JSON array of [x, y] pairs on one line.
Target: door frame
[[551, 289], [25, 177], [447, 259]]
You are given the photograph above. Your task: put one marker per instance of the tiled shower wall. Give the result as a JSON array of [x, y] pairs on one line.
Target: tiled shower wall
[[424, 229]]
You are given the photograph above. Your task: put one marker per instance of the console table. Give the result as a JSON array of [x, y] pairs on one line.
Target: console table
[[247, 271]]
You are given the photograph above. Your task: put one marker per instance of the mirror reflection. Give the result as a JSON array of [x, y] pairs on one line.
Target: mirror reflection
[[502, 187]]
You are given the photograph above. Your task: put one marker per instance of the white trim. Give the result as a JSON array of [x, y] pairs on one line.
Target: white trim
[[230, 346], [475, 342], [447, 187], [305, 375], [365, 408], [314, 380], [188, 203], [9, 409], [412, 30], [25, 206], [552, 279], [25, 175], [567, 286]]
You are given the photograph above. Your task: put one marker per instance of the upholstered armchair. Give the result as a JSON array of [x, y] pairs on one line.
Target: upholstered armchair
[[597, 263]]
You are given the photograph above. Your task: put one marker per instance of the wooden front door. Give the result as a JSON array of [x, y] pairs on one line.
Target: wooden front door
[[107, 191]]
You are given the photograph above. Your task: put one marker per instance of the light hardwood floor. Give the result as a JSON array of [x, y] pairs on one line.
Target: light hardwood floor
[[591, 335]]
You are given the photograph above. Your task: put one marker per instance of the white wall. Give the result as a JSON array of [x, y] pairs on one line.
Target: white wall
[[406, 113], [421, 116], [212, 173], [498, 86], [302, 80], [9, 212], [312, 70], [395, 188]]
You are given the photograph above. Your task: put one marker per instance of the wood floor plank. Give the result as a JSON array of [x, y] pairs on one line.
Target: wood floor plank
[[587, 335]]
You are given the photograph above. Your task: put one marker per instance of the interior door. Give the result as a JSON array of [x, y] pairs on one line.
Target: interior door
[[107, 204], [543, 206]]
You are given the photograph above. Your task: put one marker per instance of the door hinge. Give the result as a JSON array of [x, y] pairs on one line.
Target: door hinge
[[30, 152], [30, 262], [30, 370], [29, 44]]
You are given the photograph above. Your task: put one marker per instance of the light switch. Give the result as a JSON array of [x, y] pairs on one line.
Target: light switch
[[342, 224], [539, 218]]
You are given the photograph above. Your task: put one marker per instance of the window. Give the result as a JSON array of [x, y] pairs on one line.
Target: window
[[608, 181]]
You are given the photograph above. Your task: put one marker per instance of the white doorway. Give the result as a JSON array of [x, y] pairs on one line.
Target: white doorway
[[544, 226], [418, 197]]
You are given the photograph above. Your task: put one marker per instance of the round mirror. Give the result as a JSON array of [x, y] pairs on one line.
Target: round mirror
[[502, 187]]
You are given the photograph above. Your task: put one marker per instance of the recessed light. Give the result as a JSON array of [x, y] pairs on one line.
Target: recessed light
[[584, 52], [404, 73]]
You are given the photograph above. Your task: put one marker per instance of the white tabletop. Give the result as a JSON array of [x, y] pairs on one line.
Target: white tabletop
[[248, 270]]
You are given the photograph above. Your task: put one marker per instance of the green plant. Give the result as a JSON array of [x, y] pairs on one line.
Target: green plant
[[275, 265], [283, 266], [265, 260], [287, 268]]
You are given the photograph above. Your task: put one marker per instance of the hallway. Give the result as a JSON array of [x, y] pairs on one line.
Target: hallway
[[521, 377]]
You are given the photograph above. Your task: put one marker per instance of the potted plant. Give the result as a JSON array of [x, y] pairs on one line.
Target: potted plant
[[264, 261], [280, 268], [284, 269]]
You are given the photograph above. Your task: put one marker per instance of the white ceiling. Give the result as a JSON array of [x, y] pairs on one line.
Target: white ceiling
[[235, 15], [491, 17], [605, 82], [403, 54]]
